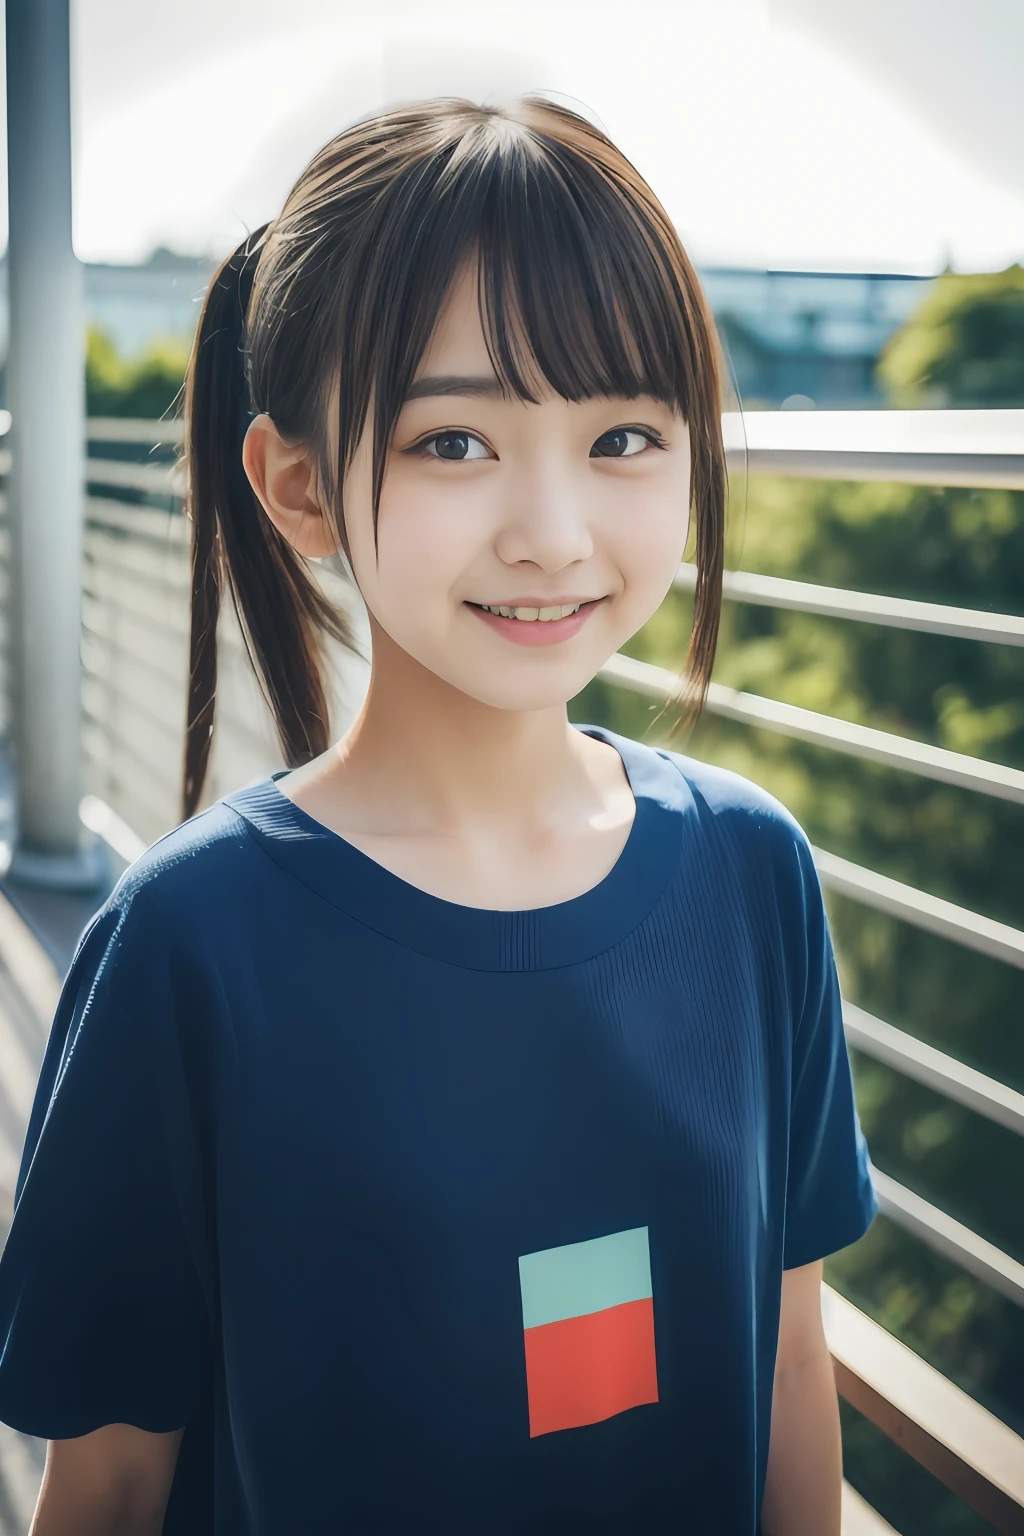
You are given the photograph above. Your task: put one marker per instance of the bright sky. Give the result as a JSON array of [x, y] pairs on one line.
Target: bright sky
[[769, 140]]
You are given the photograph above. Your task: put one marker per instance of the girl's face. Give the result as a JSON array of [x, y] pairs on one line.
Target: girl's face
[[490, 502]]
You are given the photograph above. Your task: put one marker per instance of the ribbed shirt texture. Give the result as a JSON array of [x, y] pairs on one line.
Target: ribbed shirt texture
[[426, 1217]]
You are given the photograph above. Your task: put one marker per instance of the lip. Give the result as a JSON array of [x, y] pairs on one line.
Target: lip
[[541, 631]]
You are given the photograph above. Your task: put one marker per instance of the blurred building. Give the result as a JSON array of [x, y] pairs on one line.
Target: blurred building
[[158, 297], [808, 337], [791, 336]]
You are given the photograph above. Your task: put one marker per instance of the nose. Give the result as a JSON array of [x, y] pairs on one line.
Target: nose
[[546, 519]]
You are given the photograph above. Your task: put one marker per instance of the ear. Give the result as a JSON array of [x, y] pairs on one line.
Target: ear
[[284, 478]]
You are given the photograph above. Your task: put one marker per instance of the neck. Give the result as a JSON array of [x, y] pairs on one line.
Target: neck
[[423, 756]]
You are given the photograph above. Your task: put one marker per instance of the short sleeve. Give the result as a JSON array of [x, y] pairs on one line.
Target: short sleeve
[[830, 1198], [103, 1315]]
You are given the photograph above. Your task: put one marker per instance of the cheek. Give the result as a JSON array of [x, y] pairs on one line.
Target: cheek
[[427, 536], [648, 530]]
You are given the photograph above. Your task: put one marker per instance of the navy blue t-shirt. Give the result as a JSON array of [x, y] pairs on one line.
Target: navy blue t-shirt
[[427, 1217]]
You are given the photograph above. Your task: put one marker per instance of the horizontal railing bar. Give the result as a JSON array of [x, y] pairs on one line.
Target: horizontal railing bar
[[974, 1454], [858, 1518], [989, 472], [156, 525], [161, 479], [126, 429], [864, 741], [925, 1064], [971, 448], [932, 913], [102, 819], [949, 1237], [998, 431], [865, 607]]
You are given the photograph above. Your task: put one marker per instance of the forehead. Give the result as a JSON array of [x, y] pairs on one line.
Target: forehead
[[457, 344]]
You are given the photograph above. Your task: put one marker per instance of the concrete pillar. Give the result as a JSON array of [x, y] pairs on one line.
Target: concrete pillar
[[46, 397]]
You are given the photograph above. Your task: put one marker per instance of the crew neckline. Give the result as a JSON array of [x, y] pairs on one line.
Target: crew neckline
[[486, 938]]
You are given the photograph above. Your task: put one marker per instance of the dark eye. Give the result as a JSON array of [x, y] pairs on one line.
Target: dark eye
[[455, 446], [622, 443]]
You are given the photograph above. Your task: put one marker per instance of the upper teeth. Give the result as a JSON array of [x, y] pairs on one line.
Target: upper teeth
[[558, 612]]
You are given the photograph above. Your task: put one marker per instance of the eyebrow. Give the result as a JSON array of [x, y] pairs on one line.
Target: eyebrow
[[455, 384]]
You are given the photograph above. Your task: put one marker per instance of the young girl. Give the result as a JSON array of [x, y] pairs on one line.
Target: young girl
[[445, 1134]]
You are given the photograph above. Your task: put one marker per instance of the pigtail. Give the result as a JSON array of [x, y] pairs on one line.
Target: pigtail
[[234, 544], [710, 490], [709, 496]]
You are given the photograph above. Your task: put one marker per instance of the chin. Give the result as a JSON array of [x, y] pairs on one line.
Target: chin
[[524, 699]]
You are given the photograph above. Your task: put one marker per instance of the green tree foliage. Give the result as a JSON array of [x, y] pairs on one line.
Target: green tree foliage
[[963, 347], [964, 547], [959, 546], [144, 387]]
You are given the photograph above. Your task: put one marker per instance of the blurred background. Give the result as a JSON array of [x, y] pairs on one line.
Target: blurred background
[[850, 184]]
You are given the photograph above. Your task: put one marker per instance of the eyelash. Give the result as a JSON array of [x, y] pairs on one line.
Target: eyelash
[[654, 438]]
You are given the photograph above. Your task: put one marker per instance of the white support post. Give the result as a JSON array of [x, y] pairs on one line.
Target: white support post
[[46, 397]]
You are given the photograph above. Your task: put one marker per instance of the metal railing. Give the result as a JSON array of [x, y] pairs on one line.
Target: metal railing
[[974, 448], [969, 1450], [976, 1455], [133, 648]]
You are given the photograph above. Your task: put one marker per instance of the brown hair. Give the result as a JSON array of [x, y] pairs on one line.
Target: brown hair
[[584, 287]]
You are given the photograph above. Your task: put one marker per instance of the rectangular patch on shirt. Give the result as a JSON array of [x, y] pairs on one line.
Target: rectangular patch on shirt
[[588, 1324]]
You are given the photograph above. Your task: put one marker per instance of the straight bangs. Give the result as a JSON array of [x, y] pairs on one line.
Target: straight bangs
[[577, 290]]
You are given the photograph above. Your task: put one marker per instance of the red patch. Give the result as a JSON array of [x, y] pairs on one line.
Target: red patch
[[585, 1369]]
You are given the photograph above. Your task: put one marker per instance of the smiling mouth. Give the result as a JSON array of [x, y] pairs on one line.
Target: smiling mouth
[[547, 614]]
